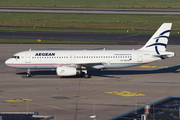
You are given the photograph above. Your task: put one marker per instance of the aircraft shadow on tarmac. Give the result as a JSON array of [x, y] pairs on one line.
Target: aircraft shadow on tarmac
[[105, 73]]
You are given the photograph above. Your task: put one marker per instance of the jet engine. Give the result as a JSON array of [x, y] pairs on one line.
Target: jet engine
[[66, 71]]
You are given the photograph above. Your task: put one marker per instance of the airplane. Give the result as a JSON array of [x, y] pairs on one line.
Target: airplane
[[73, 62]]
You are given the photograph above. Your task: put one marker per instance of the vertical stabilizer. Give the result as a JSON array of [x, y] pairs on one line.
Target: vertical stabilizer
[[159, 40]]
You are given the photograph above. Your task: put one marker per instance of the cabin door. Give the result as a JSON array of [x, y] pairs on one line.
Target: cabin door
[[28, 58]]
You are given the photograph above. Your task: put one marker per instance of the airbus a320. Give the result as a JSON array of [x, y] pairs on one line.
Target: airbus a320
[[73, 62]]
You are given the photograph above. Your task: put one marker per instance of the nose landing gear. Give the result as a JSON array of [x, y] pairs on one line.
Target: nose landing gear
[[28, 73]]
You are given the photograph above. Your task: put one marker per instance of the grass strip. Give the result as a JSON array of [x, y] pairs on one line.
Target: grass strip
[[95, 23], [31, 41], [125, 4], [89, 21]]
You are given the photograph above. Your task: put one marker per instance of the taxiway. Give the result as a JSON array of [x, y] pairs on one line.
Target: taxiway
[[107, 93]]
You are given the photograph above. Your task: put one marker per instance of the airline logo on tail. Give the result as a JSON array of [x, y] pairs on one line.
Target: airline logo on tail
[[156, 44]]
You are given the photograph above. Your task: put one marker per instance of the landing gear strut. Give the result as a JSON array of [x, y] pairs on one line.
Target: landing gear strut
[[28, 73], [85, 74]]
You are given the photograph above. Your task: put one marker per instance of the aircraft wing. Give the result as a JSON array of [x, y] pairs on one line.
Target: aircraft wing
[[95, 65]]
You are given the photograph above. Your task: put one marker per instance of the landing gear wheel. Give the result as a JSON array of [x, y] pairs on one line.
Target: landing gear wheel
[[28, 75], [86, 76]]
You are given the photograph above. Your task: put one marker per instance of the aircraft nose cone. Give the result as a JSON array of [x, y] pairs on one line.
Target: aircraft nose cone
[[7, 62]]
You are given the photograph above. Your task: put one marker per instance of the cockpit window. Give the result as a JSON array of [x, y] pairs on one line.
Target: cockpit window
[[16, 57]]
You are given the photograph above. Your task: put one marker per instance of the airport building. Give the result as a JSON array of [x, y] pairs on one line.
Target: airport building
[[24, 116], [164, 109]]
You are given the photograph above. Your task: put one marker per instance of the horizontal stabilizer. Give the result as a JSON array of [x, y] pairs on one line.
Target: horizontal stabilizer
[[161, 56], [164, 56]]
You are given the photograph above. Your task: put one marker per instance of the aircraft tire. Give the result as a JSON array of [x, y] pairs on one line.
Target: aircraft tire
[[86, 76], [28, 75]]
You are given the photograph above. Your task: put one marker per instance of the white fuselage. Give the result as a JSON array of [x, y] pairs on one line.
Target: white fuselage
[[72, 62], [108, 58]]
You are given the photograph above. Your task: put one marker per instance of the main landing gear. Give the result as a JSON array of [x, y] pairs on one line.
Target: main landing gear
[[28, 73], [85, 74]]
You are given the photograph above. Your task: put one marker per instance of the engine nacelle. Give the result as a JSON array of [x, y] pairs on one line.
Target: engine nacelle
[[66, 71]]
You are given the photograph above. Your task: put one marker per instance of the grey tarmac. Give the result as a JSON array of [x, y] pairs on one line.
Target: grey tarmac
[[70, 98]]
